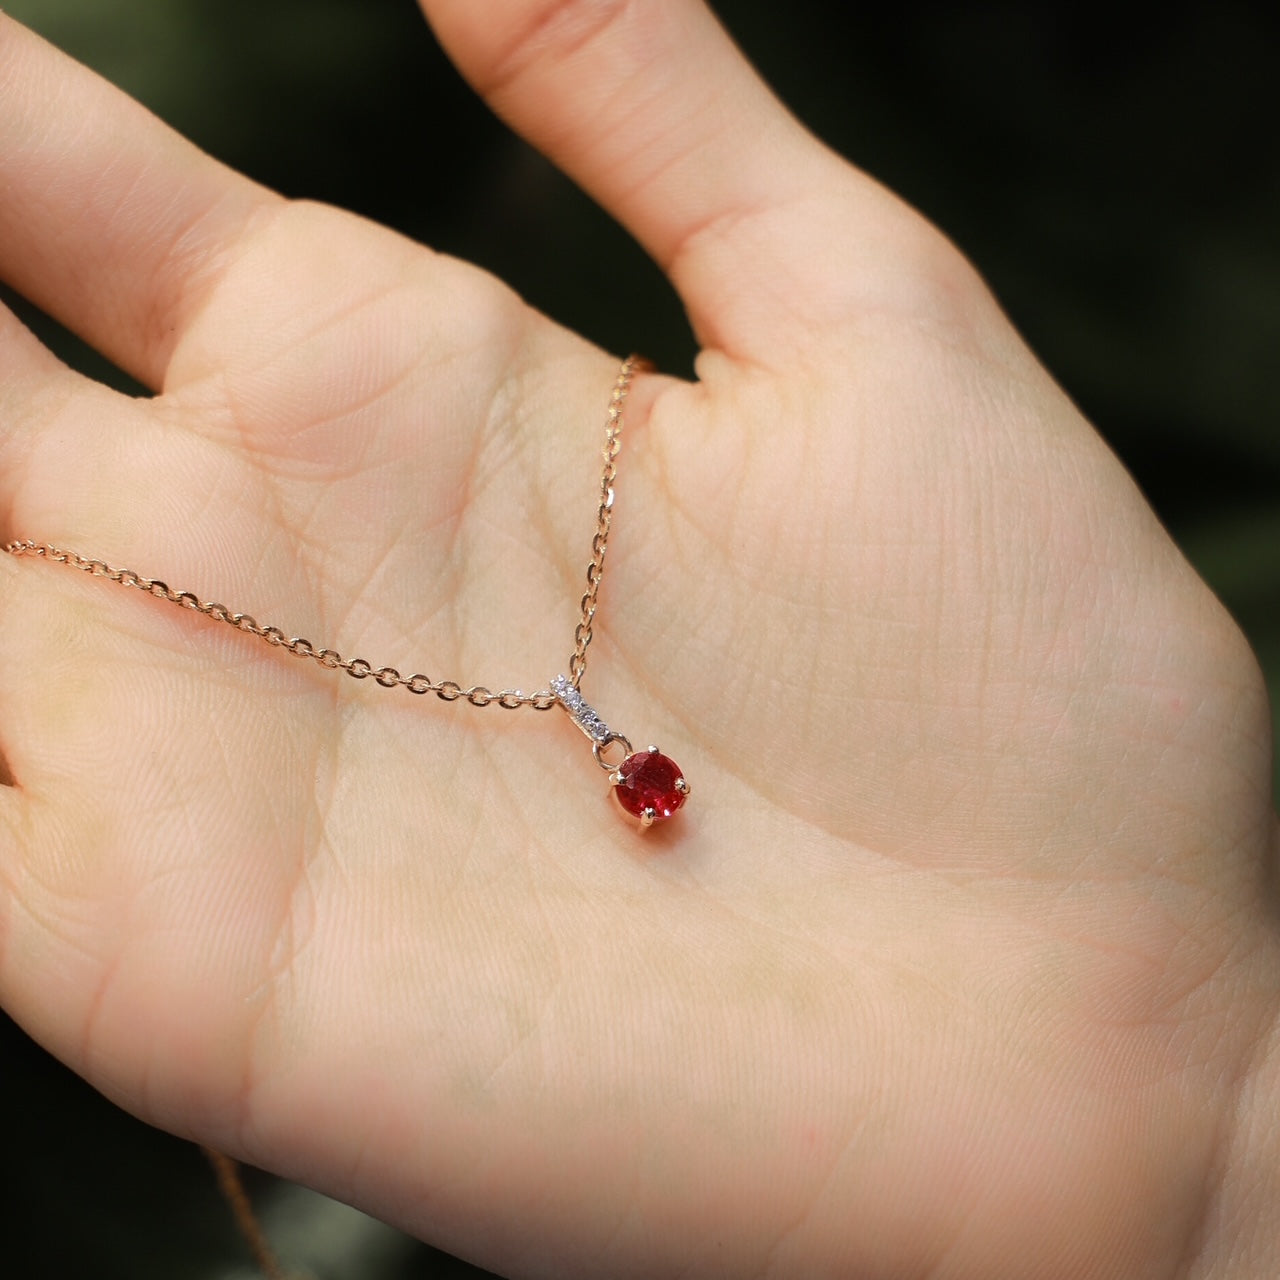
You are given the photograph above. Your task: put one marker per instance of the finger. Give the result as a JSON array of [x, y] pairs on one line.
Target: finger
[[109, 221], [33, 382], [22, 357], [652, 109]]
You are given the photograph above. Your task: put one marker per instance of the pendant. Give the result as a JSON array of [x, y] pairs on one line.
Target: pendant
[[646, 784]]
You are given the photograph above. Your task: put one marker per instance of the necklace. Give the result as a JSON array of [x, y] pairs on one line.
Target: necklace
[[647, 785]]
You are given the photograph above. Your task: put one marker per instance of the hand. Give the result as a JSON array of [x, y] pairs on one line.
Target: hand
[[962, 960]]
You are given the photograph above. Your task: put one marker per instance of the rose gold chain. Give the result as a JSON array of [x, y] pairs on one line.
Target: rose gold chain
[[359, 668], [231, 1184], [604, 516]]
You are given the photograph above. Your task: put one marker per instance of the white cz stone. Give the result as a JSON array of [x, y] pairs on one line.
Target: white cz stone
[[580, 711]]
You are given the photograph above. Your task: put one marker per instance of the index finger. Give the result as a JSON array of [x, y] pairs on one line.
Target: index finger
[[109, 220]]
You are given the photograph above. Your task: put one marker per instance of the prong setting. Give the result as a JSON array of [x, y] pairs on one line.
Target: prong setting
[[649, 786]]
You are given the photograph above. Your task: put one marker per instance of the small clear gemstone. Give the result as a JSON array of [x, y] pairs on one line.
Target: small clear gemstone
[[580, 711]]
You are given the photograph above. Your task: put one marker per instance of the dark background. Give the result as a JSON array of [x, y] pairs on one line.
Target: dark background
[[1115, 179]]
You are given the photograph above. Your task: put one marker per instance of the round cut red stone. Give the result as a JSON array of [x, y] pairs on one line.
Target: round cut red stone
[[648, 780]]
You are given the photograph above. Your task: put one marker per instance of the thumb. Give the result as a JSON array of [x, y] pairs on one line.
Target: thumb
[[653, 110]]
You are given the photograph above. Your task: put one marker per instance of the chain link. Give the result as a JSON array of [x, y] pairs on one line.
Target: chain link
[[604, 517], [360, 668]]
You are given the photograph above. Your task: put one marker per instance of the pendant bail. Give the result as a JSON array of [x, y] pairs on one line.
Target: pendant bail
[[583, 714], [599, 748], [646, 784]]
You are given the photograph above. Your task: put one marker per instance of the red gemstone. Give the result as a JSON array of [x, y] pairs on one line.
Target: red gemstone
[[648, 780]]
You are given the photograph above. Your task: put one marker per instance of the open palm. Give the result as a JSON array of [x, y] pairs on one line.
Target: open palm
[[959, 961]]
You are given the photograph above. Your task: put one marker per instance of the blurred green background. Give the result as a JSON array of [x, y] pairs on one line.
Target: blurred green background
[[1110, 179]]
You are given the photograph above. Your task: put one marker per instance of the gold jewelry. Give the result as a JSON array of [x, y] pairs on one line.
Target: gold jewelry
[[646, 784], [231, 1185]]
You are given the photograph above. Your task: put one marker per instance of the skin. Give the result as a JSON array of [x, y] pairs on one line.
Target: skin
[[963, 960]]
